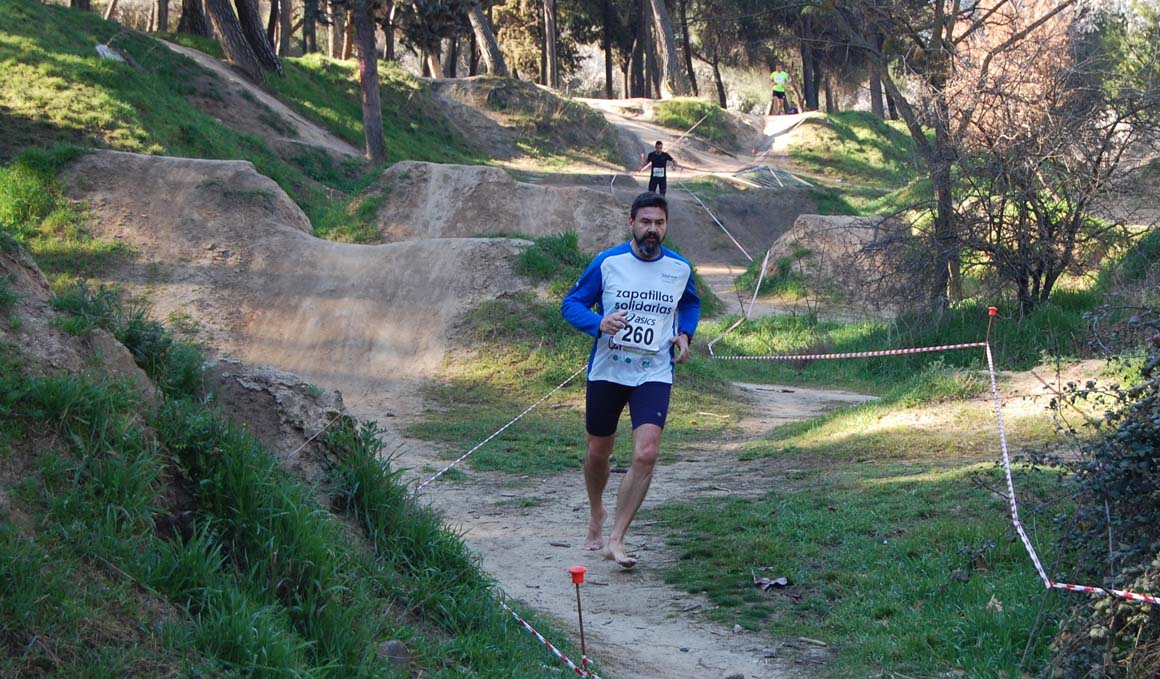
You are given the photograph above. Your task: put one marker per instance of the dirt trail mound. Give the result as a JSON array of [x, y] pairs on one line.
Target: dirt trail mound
[[30, 323], [224, 245], [496, 113], [428, 200]]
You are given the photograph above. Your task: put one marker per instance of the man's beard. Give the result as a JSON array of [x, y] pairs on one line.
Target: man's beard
[[649, 248]]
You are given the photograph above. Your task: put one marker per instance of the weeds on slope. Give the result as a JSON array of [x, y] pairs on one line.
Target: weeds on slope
[[248, 575]]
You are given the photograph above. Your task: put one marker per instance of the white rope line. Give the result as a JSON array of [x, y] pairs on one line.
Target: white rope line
[[714, 217], [499, 431], [739, 321], [688, 131]]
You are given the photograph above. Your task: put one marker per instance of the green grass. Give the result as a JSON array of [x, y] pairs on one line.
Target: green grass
[[57, 91], [682, 113], [35, 214], [1055, 329], [858, 147], [252, 576], [327, 91], [870, 552]]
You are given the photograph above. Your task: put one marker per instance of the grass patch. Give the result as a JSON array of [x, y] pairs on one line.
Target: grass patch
[[35, 214], [327, 91], [682, 113], [1057, 328], [857, 146], [884, 567]]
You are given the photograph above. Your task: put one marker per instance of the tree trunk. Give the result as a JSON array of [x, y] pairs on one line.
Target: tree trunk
[[368, 76], [85, 5], [309, 26], [388, 25], [233, 40], [272, 22], [348, 39], [672, 78], [192, 19], [481, 28], [284, 28], [636, 67], [112, 7], [433, 66], [875, 63], [718, 81], [552, 61], [682, 7], [255, 35], [831, 104], [336, 30], [162, 15], [451, 69], [809, 94], [890, 105], [473, 56], [606, 45]]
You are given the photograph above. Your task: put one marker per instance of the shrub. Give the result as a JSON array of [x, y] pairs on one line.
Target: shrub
[[1114, 536]]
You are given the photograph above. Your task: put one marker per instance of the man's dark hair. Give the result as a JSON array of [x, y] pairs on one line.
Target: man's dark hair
[[659, 143], [649, 199]]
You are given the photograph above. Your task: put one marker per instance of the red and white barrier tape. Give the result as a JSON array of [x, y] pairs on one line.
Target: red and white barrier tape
[[1014, 507], [1047, 582], [582, 671], [499, 431], [852, 354]]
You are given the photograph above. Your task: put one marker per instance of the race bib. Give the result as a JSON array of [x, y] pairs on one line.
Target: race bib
[[659, 172], [642, 333]]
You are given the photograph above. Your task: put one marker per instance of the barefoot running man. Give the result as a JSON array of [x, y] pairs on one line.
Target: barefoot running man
[[646, 313], [658, 176]]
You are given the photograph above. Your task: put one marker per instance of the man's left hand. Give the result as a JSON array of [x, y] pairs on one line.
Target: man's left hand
[[681, 342]]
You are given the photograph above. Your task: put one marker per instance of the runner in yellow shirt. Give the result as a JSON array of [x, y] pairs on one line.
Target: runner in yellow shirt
[[780, 79]]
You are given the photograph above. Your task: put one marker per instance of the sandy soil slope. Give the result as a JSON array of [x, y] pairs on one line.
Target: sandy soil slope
[[224, 245]]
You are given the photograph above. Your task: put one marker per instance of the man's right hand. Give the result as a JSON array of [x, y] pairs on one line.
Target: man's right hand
[[613, 322]]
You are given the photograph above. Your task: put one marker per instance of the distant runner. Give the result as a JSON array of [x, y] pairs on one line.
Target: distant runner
[[780, 79], [658, 178], [647, 310]]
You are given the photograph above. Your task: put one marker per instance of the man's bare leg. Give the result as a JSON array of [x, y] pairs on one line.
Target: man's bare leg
[[646, 443], [596, 471]]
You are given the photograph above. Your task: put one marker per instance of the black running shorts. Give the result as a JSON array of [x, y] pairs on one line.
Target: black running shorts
[[655, 182], [647, 404]]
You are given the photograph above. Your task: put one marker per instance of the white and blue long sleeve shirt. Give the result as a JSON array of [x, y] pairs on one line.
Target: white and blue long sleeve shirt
[[660, 299]]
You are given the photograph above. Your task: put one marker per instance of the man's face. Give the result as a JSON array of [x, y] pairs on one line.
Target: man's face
[[660, 147], [648, 230]]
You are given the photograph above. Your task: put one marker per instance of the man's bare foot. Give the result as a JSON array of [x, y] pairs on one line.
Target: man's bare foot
[[616, 553], [595, 540]]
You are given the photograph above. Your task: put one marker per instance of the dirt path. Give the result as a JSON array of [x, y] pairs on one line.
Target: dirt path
[[528, 531], [307, 132]]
